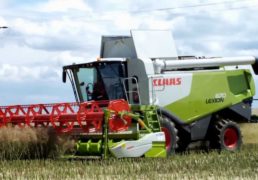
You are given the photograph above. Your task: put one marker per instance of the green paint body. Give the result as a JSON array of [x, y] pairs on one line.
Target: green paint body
[[232, 87], [211, 91], [101, 144]]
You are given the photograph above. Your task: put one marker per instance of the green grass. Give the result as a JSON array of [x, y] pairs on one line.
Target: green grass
[[213, 165]]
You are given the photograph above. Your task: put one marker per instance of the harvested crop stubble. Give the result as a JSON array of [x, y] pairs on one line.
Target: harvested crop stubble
[[194, 165], [249, 132]]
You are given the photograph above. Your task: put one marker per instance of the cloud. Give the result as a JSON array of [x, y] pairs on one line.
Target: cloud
[[3, 4], [35, 92], [45, 35], [53, 43], [35, 65], [79, 33], [23, 73], [3, 22], [54, 35], [64, 5], [67, 58]]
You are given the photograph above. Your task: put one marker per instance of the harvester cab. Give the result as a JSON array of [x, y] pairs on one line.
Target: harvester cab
[[98, 80]]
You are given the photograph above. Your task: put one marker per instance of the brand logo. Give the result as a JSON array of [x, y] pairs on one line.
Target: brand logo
[[219, 98], [167, 82]]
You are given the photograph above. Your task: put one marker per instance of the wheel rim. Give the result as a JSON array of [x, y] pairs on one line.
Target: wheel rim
[[230, 138], [167, 137]]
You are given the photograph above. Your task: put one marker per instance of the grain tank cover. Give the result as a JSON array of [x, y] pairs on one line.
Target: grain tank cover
[[154, 44], [141, 44]]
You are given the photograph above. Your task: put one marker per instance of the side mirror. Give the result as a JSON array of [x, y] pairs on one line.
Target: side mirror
[[64, 76], [255, 66]]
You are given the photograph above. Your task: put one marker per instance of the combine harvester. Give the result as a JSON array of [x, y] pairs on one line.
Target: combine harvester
[[140, 99]]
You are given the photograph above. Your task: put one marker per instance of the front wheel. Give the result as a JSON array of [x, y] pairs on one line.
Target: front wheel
[[170, 132], [226, 135]]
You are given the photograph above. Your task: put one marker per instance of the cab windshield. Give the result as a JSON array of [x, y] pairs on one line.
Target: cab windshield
[[100, 81]]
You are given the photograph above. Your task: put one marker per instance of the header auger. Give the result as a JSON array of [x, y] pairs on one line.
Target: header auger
[[140, 99]]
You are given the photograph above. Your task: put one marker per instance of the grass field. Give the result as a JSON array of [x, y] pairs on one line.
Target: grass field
[[240, 165], [195, 165]]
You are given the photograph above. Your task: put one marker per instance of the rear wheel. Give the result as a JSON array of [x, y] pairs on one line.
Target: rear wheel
[[170, 132], [226, 135]]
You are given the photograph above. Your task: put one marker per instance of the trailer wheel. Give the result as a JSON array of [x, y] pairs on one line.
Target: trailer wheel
[[170, 132], [226, 135]]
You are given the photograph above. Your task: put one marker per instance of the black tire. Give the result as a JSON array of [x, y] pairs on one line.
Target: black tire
[[183, 141], [225, 135], [170, 131]]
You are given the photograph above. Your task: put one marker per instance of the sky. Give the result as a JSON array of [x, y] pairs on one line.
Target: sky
[[44, 35]]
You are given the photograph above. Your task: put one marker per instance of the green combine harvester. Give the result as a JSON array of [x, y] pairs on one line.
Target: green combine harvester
[[140, 99]]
